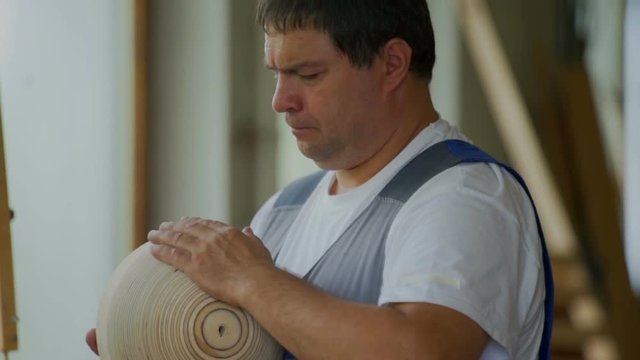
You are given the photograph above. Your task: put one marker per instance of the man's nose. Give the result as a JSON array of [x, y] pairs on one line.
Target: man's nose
[[285, 97]]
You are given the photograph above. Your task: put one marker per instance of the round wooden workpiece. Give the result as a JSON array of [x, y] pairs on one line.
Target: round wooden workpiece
[[151, 311]]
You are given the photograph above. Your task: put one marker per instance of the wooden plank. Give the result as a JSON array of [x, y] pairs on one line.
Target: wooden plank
[[140, 173], [514, 124], [8, 318], [571, 279], [515, 127], [552, 127], [601, 211]]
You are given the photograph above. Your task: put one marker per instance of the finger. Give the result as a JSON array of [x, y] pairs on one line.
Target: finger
[[166, 226], [249, 232], [90, 338], [187, 220], [174, 257], [205, 229], [174, 239], [214, 224], [171, 225], [198, 228]]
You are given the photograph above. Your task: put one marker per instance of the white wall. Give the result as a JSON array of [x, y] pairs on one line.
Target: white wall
[[189, 109], [445, 86], [632, 123], [64, 73]]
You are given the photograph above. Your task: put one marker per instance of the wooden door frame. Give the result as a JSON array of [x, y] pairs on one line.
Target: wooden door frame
[[8, 318], [141, 124]]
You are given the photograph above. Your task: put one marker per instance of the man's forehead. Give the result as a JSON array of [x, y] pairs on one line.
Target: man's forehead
[[297, 43]]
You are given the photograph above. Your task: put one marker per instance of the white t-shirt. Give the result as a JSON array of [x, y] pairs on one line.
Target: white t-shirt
[[467, 239]]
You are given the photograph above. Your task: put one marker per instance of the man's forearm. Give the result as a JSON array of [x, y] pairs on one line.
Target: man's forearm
[[234, 267], [314, 325], [310, 323]]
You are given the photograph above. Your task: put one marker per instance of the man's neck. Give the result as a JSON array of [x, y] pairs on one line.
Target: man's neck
[[413, 119]]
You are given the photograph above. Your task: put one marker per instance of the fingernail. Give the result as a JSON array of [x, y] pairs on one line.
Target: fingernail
[[157, 249]]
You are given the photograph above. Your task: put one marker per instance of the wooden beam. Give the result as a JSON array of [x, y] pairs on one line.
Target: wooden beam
[[8, 318], [632, 133], [140, 173], [601, 210], [551, 125], [514, 124]]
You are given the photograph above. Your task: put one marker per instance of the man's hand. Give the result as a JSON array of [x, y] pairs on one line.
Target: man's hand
[[220, 259], [90, 338]]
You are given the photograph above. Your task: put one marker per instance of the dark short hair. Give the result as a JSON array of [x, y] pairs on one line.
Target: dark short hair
[[358, 28]]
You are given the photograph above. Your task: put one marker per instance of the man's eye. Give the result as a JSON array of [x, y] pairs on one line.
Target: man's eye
[[309, 77]]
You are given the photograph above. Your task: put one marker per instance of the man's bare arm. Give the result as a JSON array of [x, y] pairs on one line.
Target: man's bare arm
[[233, 266]]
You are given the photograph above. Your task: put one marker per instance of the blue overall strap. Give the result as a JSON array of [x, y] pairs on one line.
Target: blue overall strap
[[471, 154]]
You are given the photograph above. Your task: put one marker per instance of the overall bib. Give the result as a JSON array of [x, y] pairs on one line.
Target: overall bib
[[351, 268]]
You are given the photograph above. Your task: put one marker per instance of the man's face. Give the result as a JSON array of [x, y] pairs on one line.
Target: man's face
[[330, 105]]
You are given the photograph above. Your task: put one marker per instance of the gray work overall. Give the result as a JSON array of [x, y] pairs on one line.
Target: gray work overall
[[352, 267]]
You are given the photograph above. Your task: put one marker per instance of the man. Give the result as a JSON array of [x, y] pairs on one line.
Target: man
[[347, 264]]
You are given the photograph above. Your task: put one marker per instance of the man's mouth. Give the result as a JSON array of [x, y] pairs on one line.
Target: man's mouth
[[301, 132]]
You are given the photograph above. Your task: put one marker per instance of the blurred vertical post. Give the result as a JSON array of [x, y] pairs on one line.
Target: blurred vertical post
[[632, 115], [140, 172], [514, 124], [8, 318]]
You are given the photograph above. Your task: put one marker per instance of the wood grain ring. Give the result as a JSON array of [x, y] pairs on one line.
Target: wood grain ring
[[152, 311]]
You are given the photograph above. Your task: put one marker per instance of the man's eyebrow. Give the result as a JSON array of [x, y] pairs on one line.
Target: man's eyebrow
[[295, 67]]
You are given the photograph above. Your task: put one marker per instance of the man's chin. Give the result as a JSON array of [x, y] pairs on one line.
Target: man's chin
[[323, 158]]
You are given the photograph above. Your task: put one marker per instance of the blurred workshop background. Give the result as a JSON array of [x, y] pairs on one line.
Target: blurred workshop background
[[117, 115]]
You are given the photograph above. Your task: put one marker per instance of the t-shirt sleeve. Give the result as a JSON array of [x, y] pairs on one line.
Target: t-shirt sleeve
[[462, 241]]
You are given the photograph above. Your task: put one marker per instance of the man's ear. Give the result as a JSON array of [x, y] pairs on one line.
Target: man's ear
[[396, 55]]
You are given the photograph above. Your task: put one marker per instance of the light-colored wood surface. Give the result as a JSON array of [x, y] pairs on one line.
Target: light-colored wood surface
[[149, 310], [8, 318]]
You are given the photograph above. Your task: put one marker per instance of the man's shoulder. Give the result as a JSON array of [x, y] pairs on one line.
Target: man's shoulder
[[491, 182]]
